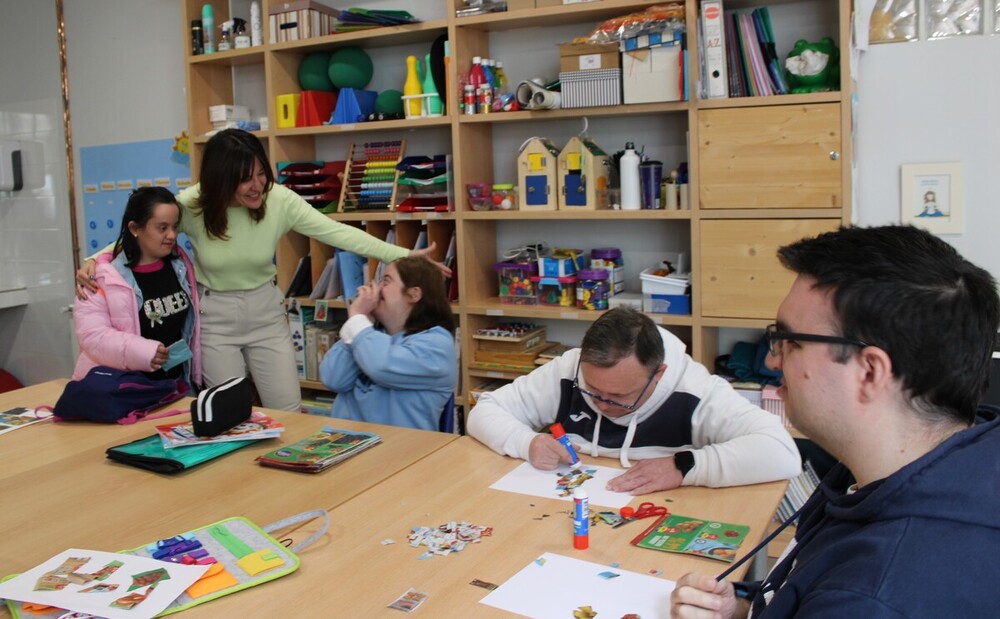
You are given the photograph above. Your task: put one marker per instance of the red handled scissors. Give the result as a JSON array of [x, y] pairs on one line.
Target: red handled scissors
[[645, 510]]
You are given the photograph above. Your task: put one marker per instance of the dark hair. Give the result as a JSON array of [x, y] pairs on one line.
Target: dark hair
[[139, 209], [229, 160], [911, 294], [619, 333], [433, 308]]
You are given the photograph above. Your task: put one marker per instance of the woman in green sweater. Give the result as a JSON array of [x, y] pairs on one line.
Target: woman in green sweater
[[234, 218]]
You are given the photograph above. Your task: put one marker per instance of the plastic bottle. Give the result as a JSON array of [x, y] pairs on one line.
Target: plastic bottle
[[501, 79], [226, 40], [476, 78], [412, 87], [208, 26], [628, 168], [434, 105], [581, 519], [197, 38], [240, 37], [490, 79], [256, 29]]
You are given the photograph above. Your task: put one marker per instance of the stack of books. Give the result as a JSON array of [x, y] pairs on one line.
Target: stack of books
[[319, 451], [799, 490], [181, 434]]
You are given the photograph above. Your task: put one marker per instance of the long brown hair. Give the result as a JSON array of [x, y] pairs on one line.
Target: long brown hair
[[229, 160], [433, 309]]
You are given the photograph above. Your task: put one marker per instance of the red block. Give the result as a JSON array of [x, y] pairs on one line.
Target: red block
[[315, 108]]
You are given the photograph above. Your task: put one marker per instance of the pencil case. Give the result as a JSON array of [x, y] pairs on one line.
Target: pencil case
[[240, 553], [148, 453], [222, 407]]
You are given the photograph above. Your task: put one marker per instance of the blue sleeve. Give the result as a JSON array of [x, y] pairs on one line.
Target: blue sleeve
[[419, 361], [338, 371]]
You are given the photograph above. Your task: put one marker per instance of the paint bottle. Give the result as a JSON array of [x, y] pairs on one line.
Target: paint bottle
[[256, 30], [208, 26], [581, 519], [628, 168]]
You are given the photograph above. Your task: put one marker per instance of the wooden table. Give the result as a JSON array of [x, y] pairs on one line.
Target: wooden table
[[60, 491], [353, 572]]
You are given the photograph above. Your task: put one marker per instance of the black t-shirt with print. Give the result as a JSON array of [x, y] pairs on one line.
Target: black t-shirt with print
[[164, 308]]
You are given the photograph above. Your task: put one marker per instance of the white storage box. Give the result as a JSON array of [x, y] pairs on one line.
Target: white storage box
[[223, 113], [659, 285]]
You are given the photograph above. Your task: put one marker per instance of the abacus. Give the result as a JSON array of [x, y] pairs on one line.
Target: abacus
[[371, 175]]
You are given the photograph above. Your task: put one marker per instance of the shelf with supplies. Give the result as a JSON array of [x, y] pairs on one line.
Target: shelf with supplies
[[763, 170]]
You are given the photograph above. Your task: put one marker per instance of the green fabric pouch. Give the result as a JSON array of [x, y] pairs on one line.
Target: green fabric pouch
[[148, 453]]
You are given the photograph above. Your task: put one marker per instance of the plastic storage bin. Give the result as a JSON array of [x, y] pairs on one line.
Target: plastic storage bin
[[516, 287], [610, 259], [560, 263], [559, 291], [592, 289]]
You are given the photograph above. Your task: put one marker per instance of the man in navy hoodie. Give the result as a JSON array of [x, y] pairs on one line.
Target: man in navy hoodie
[[885, 342]]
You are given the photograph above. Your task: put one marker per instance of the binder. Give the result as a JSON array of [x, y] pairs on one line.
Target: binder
[[716, 81]]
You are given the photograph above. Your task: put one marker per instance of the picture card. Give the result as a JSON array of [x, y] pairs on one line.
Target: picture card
[[105, 584], [555, 586], [526, 479]]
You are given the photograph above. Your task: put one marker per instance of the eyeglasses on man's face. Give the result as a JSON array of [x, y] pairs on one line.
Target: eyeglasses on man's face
[[775, 338], [594, 396]]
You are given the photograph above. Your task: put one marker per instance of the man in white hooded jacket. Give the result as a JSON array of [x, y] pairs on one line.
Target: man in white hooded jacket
[[630, 391]]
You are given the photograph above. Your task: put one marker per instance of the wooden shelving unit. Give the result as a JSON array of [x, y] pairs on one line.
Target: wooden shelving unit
[[764, 171]]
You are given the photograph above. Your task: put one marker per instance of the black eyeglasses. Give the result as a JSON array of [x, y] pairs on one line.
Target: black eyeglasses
[[594, 396], [774, 338]]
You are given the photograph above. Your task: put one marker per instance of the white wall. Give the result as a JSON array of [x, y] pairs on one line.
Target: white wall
[[928, 102], [35, 248]]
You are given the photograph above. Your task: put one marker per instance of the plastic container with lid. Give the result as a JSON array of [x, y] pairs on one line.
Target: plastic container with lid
[[592, 289], [610, 259], [558, 291], [516, 287], [504, 197], [480, 196]]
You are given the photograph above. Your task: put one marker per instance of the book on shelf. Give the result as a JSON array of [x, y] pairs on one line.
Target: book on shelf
[[181, 434], [319, 451], [353, 273], [301, 284], [328, 284], [751, 58]]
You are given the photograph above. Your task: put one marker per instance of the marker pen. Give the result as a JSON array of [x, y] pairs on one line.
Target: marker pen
[[581, 519], [559, 434]]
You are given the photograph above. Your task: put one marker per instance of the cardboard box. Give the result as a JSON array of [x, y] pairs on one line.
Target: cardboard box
[[588, 56], [298, 318], [519, 5], [653, 75]]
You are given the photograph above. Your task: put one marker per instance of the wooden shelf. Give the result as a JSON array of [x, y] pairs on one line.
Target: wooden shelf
[[568, 215], [387, 36]]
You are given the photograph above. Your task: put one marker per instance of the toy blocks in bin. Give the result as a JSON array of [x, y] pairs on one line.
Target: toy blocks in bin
[[558, 291], [560, 262], [516, 287]]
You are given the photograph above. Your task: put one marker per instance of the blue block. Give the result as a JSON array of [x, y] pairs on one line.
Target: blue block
[[353, 106]]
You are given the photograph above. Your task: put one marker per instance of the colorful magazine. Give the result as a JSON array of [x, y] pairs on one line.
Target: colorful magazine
[[319, 451], [181, 434], [704, 538], [15, 418]]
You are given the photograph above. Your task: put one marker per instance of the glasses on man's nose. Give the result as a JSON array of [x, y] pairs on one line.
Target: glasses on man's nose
[[594, 396], [775, 337]]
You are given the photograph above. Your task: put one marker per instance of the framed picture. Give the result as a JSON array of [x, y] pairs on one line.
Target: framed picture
[[933, 197]]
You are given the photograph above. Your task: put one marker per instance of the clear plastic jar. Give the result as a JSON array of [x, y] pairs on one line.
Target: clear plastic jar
[[504, 197], [592, 289]]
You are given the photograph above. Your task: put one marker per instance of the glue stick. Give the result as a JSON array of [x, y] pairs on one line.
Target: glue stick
[[559, 434], [581, 519]]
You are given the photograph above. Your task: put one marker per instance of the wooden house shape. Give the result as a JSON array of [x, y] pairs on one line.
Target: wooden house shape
[[583, 175], [536, 175]]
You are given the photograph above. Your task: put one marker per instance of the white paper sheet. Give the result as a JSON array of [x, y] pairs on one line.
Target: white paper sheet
[[526, 479], [22, 588], [555, 586]]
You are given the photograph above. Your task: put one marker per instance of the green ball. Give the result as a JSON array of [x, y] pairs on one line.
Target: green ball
[[350, 67], [313, 73], [389, 102]]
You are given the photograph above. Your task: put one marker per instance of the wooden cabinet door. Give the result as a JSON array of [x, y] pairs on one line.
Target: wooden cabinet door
[[740, 273], [784, 156]]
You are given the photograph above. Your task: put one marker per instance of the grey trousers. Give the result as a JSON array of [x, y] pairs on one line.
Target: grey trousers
[[248, 329]]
